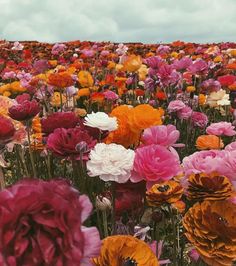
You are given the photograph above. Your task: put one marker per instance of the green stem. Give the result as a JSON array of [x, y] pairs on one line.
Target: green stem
[[31, 152], [172, 218], [104, 220]]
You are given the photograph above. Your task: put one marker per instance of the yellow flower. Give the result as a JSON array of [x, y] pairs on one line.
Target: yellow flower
[[142, 72], [85, 79], [56, 99]]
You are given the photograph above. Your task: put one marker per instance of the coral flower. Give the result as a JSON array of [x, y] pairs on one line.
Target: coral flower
[[7, 129], [167, 192], [60, 80], [121, 250], [155, 164], [208, 186], [144, 116], [41, 224], [208, 142], [211, 228]]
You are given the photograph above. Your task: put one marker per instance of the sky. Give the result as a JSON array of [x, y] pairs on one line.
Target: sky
[[147, 21]]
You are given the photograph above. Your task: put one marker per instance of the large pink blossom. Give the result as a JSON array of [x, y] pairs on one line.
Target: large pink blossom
[[41, 224], [154, 163], [175, 106], [199, 119], [221, 128], [185, 113], [199, 67]]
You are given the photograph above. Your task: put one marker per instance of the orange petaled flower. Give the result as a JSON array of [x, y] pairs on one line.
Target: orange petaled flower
[[83, 92], [207, 142], [57, 98], [36, 125], [60, 80], [231, 66], [85, 79], [144, 116], [211, 228], [16, 87], [167, 192], [208, 186], [201, 99], [121, 250], [132, 63], [190, 89], [97, 97], [123, 135]]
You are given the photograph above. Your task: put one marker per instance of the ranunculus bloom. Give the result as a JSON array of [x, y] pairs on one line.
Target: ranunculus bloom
[[227, 80], [111, 162], [185, 113], [221, 128], [24, 111], [208, 142], [132, 63], [41, 224], [22, 97], [199, 119], [125, 250], [183, 63], [211, 186], [7, 129], [210, 226], [219, 98], [162, 135], [210, 85], [59, 120], [199, 67], [85, 79], [58, 48], [110, 95], [155, 164], [60, 80], [101, 121], [66, 143], [175, 106], [166, 192]]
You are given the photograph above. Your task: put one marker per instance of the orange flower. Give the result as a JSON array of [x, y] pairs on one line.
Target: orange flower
[[56, 99], [84, 92], [97, 97], [208, 186], [207, 142], [201, 99], [121, 250], [231, 66], [123, 135], [190, 89], [167, 192], [132, 63], [179, 205], [36, 125], [60, 80], [16, 87], [211, 228], [144, 116], [85, 79], [160, 95]]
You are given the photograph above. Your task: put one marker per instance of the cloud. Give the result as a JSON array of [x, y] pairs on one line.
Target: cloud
[[147, 21]]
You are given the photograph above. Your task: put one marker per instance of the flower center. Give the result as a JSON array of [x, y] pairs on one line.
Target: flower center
[[129, 262], [163, 188]]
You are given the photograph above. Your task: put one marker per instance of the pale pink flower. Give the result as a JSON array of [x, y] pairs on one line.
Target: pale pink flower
[[175, 106], [231, 146], [221, 128], [154, 163]]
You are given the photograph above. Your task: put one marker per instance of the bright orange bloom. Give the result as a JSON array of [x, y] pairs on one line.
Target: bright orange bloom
[[60, 80], [190, 89], [231, 66], [125, 250], [201, 99], [85, 79], [97, 97], [132, 63], [84, 92], [207, 142]]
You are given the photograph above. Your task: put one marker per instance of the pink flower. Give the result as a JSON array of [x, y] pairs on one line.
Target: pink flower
[[161, 135], [110, 95], [231, 146], [211, 85], [175, 106], [221, 128], [185, 113], [154, 62], [198, 67], [41, 224], [154, 163], [58, 48], [194, 255], [183, 63], [199, 119]]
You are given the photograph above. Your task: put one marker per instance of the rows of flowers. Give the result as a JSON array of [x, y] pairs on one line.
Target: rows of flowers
[[117, 154]]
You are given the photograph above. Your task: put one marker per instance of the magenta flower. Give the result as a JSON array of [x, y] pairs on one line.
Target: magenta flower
[[199, 119], [68, 142], [161, 135], [24, 111], [182, 64], [175, 106], [221, 128], [22, 97], [185, 113], [110, 95], [41, 224], [168, 75], [199, 67], [58, 48], [154, 163], [154, 62], [7, 130]]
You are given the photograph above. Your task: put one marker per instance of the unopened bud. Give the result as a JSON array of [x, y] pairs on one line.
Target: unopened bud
[[103, 203]]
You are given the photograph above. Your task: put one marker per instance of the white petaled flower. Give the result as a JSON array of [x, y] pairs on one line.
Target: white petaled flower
[[102, 121], [111, 162]]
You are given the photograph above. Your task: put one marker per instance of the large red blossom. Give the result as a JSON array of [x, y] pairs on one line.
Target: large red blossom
[[41, 225]]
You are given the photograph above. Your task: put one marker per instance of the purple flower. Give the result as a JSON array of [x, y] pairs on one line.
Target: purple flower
[[211, 85]]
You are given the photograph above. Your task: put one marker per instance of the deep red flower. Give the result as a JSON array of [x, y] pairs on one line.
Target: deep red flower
[[59, 120], [226, 80], [70, 143], [7, 130], [24, 111], [41, 224], [22, 97]]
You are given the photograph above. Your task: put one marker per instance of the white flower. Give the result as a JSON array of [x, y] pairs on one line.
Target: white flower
[[17, 46], [102, 121], [219, 98], [112, 162]]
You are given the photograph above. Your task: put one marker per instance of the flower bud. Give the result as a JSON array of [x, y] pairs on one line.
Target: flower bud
[[103, 203]]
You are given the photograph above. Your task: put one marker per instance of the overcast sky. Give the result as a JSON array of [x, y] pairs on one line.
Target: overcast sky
[[148, 21]]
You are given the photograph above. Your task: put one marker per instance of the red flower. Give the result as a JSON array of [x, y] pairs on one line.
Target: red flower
[[41, 224], [7, 130], [70, 143], [22, 97], [227, 80], [59, 120], [24, 111]]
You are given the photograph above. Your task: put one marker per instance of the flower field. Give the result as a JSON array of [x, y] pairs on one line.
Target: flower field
[[117, 154]]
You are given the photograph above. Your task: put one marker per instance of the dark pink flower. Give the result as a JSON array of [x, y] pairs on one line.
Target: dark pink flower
[[183, 63], [185, 112], [154, 62], [199, 67], [41, 224], [68, 142], [22, 97], [7, 129], [199, 119], [59, 120], [24, 111]]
